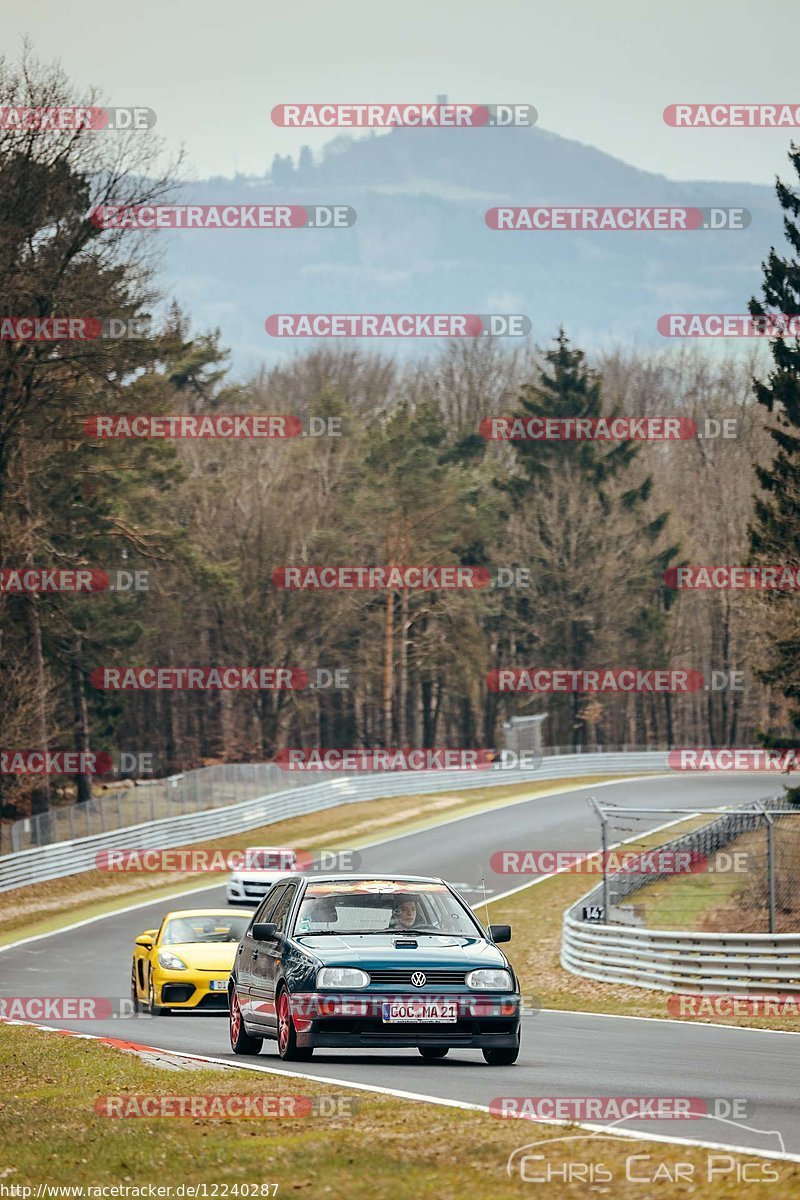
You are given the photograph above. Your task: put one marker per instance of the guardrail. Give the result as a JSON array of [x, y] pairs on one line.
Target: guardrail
[[670, 960], [58, 859], [678, 960], [218, 786]]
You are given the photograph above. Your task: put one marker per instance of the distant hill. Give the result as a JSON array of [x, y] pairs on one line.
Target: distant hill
[[421, 244]]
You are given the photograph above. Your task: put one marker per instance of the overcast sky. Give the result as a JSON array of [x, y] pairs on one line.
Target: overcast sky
[[599, 71]]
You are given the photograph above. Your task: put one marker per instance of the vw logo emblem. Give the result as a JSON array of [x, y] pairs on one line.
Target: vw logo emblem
[[418, 979]]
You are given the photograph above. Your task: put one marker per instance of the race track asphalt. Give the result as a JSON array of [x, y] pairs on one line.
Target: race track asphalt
[[563, 1053]]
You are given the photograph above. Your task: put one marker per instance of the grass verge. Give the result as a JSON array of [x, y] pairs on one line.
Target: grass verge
[[45, 907], [387, 1149], [724, 900]]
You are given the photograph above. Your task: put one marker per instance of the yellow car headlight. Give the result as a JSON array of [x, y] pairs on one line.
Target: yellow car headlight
[[170, 961]]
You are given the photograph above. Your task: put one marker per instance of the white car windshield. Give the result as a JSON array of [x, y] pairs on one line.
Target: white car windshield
[[379, 906]]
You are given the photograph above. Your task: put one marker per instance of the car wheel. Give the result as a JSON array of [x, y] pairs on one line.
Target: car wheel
[[287, 1037], [502, 1056], [155, 1009], [433, 1051], [241, 1041], [136, 1004]]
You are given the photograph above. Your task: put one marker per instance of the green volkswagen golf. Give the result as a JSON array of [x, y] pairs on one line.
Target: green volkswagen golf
[[349, 961]]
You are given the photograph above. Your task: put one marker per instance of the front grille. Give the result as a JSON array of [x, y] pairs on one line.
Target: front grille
[[215, 1000], [256, 889], [433, 978], [176, 993]]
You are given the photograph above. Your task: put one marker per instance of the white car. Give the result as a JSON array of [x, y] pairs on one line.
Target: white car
[[250, 883]]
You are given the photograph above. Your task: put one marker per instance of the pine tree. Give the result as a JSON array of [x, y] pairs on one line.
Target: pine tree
[[596, 548], [775, 529]]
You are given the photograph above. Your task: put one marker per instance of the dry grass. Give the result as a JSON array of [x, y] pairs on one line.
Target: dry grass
[[387, 1149]]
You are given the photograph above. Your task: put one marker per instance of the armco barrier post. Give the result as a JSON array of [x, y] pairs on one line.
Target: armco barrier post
[[604, 848]]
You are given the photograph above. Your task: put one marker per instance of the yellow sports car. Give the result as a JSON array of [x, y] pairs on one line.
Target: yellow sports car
[[186, 963]]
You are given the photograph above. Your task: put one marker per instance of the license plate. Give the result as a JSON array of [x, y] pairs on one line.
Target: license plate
[[419, 1010], [218, 985]]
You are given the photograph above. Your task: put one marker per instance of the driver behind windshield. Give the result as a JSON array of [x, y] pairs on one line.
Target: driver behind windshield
[[404, 913]]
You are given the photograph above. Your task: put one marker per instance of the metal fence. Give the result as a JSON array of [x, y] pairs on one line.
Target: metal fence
[[737, 873], [190, 792], [57, 859], [121, 806], [604, 936]]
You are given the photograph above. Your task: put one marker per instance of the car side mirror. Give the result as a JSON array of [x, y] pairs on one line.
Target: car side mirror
[[146, 940], [500, 933], [264, 931]]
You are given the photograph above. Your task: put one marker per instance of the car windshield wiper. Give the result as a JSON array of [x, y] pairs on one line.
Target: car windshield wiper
[[424, 932], [341, 932]]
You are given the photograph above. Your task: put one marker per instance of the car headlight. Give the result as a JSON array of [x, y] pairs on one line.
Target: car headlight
[[171, 961], [490, 980], [341, 977]]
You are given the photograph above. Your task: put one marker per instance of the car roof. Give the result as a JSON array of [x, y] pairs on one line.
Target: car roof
[[352, 877]]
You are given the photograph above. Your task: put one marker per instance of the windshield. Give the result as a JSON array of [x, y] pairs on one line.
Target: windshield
[[208, 928], [381, 905]]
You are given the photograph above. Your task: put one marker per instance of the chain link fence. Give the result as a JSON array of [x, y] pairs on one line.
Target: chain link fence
[[120, 807], [738, 873]]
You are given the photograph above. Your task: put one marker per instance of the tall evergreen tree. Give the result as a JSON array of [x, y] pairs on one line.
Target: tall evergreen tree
[[775, 530], [596, 547]]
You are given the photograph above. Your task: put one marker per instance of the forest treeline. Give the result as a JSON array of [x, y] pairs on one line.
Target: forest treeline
[[409, 480]]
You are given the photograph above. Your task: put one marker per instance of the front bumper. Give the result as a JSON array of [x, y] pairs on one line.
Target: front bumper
[[246, 891], [321, 1019], [190, 990]]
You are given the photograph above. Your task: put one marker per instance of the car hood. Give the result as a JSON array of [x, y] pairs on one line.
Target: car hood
[[205, 956], [378, 950]]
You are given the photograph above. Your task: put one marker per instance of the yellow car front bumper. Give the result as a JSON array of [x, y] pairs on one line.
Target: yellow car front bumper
[[190, 989]]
